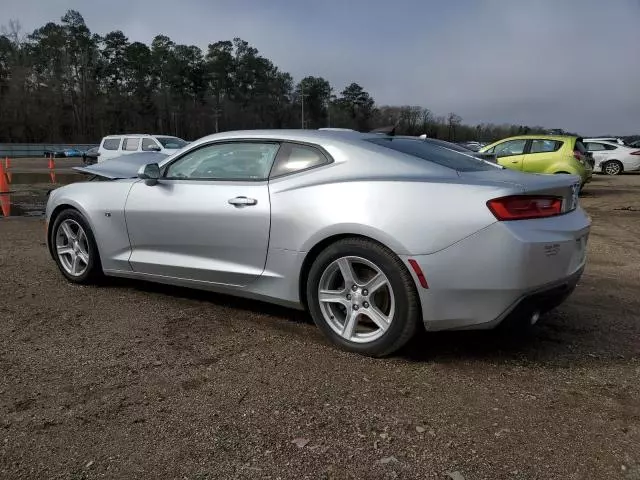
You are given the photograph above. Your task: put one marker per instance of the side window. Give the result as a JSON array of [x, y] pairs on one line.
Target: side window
[[130, 144], [545, 146], [594, 147], [294, 158], [149, 145], [111, 143], [610, 147], [225, 161], [510, 147]]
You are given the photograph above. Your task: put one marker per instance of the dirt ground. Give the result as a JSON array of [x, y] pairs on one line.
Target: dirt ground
[[134, 380]]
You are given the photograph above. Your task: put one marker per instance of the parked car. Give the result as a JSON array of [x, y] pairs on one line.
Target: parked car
[[90, 156], [65, 152], [550, 154], [113, 146], [475, 146], [617, 140], [373, 234], [613, 158]]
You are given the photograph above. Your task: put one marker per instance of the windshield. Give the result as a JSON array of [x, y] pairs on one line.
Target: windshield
[[171, 142], [462, 162]]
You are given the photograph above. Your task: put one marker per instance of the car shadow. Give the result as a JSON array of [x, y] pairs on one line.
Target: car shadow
[[573, 334]]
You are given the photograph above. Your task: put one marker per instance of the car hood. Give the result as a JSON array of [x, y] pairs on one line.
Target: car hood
[[125, 166]]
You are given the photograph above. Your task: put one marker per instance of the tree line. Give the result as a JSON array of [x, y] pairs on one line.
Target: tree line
[[63, 83]]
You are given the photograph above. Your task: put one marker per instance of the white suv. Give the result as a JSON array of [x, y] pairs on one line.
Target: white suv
[[113, 146]]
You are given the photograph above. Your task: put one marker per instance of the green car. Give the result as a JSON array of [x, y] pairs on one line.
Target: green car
[[544, 154]]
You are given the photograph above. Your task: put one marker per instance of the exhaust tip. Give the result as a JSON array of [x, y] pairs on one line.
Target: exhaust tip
[[534, 318]]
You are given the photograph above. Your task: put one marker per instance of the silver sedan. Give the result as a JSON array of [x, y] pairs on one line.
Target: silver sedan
[[374, 234]]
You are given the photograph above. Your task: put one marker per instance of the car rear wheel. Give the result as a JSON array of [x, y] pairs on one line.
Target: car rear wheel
[[74, 248], [363, 298], [612, 167]]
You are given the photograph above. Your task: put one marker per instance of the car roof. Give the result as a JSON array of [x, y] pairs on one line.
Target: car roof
[[300, 135], [560, 138]]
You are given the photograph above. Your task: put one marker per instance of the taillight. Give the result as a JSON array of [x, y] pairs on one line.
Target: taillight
[[637, 152], [523, 207], [578, 156]]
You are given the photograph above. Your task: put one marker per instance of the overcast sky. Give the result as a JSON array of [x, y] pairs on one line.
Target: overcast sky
[[572, 64]]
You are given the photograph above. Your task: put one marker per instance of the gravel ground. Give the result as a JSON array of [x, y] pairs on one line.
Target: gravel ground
[[134, 380]]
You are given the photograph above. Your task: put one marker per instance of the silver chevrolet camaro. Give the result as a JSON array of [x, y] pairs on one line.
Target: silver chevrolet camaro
[[372, 233]]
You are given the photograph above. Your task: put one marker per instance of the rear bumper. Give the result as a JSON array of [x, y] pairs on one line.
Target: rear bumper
[[536, 302], [506, 270]]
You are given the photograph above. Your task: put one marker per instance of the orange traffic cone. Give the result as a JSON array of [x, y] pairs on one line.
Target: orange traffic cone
[[4, 186], [52, 175], [51, 165], [5, 205]]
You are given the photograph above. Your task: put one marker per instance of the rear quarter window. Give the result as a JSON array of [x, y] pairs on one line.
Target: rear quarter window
[[111, 143], [430, 152], [545, 146]]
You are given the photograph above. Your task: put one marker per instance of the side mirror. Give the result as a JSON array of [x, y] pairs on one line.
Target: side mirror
[[150, 173], [153, 148]]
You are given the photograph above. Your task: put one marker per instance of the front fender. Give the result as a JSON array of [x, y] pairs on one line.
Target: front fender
[[102, 205]]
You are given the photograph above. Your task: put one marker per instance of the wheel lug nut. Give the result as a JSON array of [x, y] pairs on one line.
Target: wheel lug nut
[[365, 305], [348, 296], [354, 288], [356, 307], [365, 292]]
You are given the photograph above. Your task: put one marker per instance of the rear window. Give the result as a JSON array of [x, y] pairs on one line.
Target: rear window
[[433, 153], [580, 146], [445, 144], [111, 143]]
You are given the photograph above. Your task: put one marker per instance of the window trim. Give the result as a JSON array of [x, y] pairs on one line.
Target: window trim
[[287, 144], [165, 167]]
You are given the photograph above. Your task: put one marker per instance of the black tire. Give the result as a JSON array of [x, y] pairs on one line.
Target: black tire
[[93, 274], [612, 163], [407, 314]]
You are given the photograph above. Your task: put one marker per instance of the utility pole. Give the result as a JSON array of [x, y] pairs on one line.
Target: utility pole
[[302, 94]]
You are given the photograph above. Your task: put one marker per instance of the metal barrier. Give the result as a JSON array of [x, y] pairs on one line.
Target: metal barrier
[[18, 150]]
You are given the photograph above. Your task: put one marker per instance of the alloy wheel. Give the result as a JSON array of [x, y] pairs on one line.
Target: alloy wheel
[[72, 247], [612, 168], [356, 299]]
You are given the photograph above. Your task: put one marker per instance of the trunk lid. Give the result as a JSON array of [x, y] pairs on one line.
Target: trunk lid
[[560, 185]]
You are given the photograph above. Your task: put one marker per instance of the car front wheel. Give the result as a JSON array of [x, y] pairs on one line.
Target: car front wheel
[[74, 248], [363, 298]]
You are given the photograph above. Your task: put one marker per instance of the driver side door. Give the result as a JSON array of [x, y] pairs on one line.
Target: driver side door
[[208, 217]]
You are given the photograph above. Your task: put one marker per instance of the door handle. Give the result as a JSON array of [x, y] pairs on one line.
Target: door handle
[[242, 201]]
